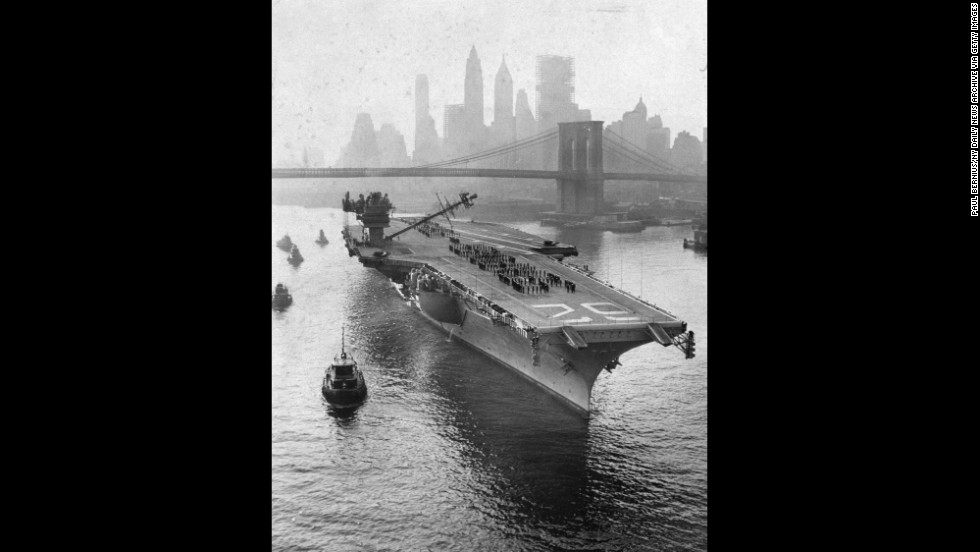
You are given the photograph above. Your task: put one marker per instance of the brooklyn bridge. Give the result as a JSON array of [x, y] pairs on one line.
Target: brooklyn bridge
[[579, 173]]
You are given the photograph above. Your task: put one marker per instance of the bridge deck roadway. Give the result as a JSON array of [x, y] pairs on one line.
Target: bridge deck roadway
[[593, 303], [484, 173]]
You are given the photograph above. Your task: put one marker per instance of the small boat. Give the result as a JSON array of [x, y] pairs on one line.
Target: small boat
[[285, 243], [294, 257], [675, 222], [322, 240], [700, 240], [281, 298], [343, 384]]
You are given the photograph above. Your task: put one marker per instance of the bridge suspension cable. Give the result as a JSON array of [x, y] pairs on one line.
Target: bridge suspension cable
[[488, 155], [525, 143], [626, 154], [501, 150], [646, 155], [647, 161], [641, 152]]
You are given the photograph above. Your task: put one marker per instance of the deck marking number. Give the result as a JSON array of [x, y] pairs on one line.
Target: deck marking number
[[559, 305], [583, 320], [608, 313]]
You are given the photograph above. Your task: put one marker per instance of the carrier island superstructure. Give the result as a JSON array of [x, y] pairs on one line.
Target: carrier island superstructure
[[508, 294]]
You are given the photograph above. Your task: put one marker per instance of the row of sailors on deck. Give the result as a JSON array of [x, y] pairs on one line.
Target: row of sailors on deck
[[523, 277]]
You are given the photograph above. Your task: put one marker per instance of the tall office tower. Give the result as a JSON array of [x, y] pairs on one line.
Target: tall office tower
[[421, 96], [473, 93], [504, 126], [658, 139], [556, 91], [453, 130], [635, 125], [526, 125], [426, 139]]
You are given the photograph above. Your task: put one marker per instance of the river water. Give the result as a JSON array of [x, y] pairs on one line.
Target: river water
[[451, 451]]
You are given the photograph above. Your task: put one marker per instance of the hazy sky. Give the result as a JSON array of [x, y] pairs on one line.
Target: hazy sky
[[332, 59]]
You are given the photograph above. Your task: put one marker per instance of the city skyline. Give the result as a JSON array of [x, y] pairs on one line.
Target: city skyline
[[328, 66]]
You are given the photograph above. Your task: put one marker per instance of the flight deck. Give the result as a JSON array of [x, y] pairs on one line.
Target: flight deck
[[586, 302]]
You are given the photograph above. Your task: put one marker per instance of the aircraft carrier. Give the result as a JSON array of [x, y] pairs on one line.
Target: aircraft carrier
[[509, 295]]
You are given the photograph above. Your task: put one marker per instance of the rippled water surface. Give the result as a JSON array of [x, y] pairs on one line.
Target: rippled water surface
[[451, 451]]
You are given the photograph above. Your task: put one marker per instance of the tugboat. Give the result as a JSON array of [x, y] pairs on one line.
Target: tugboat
[[343, 385], [294, 257], [322, 240], [285, 243], [281, 298], [700, 240]]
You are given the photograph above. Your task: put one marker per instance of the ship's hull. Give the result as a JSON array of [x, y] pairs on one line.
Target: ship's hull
[[442, 307], [549, 321], [565, 371]]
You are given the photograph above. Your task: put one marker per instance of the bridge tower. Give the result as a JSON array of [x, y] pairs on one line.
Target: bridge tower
[[580, 152]]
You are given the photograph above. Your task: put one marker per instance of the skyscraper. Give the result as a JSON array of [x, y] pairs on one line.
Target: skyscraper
[[454, 129], [426, 139], [473, 93], [526, 124], [421, 96], [503, 128], [635, 125], [475, 134], [658, 138], [556, 91]]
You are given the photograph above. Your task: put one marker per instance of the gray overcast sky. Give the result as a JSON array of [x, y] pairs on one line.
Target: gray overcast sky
[[332, 59]]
